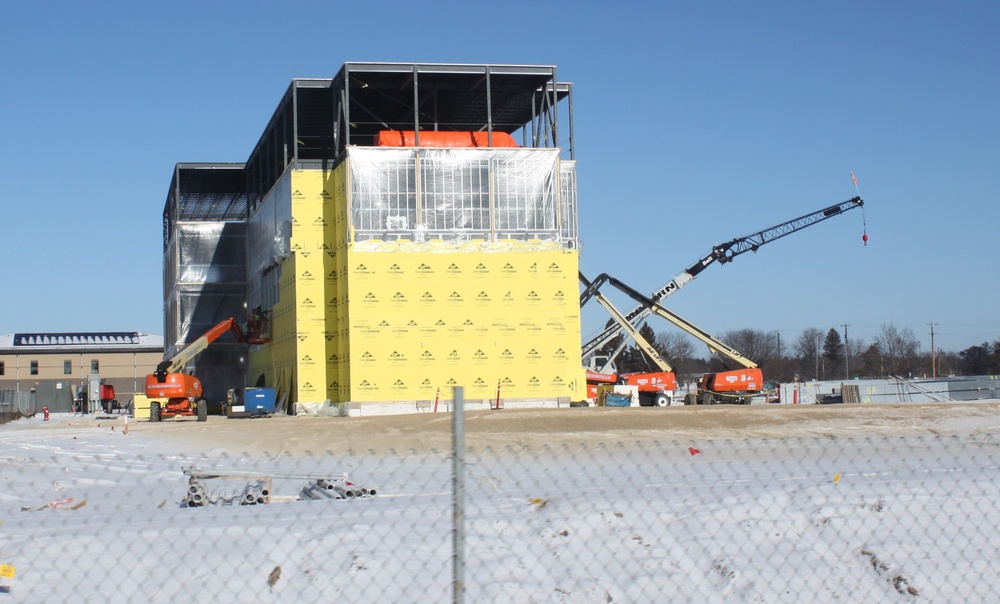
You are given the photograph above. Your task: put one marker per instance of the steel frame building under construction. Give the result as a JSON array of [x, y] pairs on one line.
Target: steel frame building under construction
[[405, 228]]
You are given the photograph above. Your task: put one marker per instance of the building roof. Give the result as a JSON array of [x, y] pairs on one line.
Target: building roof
[[111, 341]]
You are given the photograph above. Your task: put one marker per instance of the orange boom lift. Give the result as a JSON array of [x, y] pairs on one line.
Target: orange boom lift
[[184, 391]]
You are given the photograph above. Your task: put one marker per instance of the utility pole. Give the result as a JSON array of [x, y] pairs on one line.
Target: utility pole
[[847, 354], [817, 355], [933, 353], [778, 331]]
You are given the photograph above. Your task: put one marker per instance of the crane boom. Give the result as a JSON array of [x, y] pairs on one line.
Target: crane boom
[[722, 253], [713, 344]]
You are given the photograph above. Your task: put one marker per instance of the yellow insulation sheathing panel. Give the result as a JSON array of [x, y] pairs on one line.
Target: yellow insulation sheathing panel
[[314, 248], [443, 317], [335, 313]]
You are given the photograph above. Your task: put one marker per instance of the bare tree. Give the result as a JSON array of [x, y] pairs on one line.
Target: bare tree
[[673, 345], [899, 348], [679, 351], [760, 347], [857, 346], [808, 351]]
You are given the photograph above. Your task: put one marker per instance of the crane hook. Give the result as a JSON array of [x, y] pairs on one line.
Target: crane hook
[[864, 222]]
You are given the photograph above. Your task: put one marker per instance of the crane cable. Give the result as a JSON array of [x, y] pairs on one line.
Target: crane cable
[[864, 221]]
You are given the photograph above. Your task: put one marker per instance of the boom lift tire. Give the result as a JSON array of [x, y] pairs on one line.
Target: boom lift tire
[[154, 412], [202, 410], [661, 400]]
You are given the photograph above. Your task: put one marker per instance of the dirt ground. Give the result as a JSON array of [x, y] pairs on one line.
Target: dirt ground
[[424, 432]]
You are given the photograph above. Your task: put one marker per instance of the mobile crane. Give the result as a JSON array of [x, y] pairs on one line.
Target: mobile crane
[[737, 385], [184, 391], [722, 253]]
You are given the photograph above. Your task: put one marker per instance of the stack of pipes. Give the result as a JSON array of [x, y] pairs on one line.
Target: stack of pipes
[[326, 488], [253, 493]]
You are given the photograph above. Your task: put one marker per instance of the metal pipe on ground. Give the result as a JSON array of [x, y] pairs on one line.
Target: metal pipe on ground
[[345, 491], [314, 492]]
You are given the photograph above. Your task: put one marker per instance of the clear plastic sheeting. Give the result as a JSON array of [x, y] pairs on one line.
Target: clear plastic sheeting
[[202, 308], [211, 252], [568, 202], [460, 195], [205, 278], [269, 234], [479, 247]]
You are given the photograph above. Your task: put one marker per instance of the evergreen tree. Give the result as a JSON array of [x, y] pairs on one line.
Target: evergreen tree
[[833, 352], [975, 359], [871, 362]]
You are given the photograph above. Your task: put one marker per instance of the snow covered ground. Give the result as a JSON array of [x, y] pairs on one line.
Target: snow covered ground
[[91, 514]]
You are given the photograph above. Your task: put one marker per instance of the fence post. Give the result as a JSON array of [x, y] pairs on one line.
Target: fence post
[[458, 494]]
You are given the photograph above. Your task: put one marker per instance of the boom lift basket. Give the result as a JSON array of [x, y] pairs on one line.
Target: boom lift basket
[[258, 329]]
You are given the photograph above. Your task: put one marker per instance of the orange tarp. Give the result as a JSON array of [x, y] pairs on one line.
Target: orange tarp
[[433, 138]]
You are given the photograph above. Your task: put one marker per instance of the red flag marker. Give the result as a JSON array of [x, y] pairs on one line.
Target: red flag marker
[[693, 451]]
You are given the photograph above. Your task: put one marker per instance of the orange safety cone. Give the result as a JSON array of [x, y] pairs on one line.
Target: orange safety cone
[[126, 425], [437, 397]]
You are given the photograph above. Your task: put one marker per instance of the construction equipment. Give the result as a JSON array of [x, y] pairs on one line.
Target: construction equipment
[[184, 391], [655, 388], [722, 253], [736, 386], [249, 402], [109, 403]]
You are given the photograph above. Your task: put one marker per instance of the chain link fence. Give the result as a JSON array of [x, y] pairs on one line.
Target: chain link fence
[[873, 519], [15, 404]]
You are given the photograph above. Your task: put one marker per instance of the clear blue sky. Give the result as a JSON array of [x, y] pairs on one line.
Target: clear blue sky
[[695, 122]]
